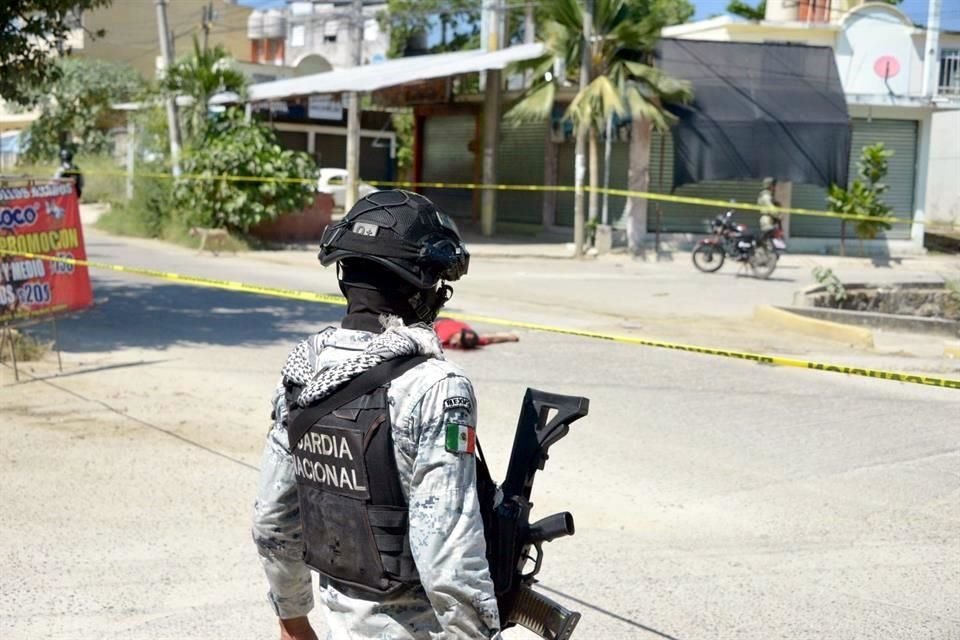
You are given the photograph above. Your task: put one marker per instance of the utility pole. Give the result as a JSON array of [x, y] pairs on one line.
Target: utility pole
[[931, 51], [580, 162], [205, 23], [491, 120], [173, 125], [529, 26], [353, 111], [607, 148]]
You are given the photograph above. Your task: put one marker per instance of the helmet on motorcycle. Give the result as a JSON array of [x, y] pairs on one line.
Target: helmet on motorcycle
[[769, 182], [401, 231], [66, 155]]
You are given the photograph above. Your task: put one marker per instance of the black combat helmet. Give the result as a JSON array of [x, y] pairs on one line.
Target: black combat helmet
[[401, 231]]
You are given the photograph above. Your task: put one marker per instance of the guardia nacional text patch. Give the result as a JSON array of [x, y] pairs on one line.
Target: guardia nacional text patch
[[461, 438]]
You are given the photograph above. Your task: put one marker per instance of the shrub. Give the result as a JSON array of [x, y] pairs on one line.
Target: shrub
[[25, 346], [239, 149], [833, 285], [146, 215]]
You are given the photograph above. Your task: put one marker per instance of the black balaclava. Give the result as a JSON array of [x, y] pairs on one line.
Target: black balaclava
[[373, 291]]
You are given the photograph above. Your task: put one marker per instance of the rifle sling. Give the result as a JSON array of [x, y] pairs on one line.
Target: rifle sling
[[362, 384]]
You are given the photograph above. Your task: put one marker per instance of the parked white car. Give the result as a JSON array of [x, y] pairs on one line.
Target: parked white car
[[334, 182]]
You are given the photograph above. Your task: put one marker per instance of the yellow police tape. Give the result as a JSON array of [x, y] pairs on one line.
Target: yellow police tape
[[309, 296], [648, 195]]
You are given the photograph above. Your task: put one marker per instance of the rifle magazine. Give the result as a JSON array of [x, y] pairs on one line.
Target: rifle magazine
[[541, 615]]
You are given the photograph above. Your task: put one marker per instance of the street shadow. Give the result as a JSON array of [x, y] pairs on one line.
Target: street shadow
[[749, 276], [885, 261], [156, 315], [80, 372], [611, 614]]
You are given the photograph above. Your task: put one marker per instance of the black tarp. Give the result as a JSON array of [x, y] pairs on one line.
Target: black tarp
[[759, 110]]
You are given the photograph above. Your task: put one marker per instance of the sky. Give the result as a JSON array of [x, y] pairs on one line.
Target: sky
[[915, 9]]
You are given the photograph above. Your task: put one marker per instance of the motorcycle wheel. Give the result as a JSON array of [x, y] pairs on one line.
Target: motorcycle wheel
[[708, 258], [764, 261]]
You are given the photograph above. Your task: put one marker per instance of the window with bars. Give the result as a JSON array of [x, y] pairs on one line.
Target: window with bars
[[949, 82]]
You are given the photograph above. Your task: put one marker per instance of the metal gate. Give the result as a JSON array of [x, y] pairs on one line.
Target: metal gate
[[447, 158]]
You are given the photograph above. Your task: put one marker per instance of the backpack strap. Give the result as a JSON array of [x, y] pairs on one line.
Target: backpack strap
[[364, 383]]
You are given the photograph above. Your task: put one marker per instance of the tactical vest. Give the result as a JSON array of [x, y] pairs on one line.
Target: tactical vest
[[352, 508]]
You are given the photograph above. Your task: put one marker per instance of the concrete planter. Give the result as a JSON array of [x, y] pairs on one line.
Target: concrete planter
[[303, 226], [924, 307]]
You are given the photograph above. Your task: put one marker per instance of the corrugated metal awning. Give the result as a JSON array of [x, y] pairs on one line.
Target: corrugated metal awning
[[391, 73]]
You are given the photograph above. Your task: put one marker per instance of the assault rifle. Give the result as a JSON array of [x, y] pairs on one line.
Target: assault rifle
[[545, 418]]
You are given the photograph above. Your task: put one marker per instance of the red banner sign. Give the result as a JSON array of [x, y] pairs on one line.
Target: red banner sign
[[41, 219]]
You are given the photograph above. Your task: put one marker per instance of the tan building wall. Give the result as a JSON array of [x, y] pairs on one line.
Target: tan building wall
[[132, 38]]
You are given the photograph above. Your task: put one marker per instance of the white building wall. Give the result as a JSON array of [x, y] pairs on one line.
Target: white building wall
[[943, 185], [876, 42], [324, 29]]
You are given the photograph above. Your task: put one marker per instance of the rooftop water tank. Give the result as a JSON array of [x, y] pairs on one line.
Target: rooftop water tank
[[274, 24], [255, 25]]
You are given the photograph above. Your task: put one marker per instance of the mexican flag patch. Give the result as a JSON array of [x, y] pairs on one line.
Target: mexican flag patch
[[461, 438]]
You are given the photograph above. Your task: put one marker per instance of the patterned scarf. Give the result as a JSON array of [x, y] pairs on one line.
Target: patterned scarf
[[397, 340]]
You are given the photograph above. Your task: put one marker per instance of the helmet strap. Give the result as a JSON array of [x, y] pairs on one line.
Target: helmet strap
[[426, 303]]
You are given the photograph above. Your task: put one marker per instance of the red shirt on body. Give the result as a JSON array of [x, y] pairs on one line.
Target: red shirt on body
[[446, 328]]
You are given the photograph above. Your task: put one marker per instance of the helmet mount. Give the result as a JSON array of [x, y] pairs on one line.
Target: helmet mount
[[403, 232]]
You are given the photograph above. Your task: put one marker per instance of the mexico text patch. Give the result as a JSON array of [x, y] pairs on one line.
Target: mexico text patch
[[457, 402]]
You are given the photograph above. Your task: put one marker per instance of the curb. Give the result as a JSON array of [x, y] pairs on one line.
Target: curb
[[882, 321], [858, 336]]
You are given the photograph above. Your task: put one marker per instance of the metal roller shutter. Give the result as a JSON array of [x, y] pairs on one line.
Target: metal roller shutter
[[676, 217], [447, 158], [520, 160], [899, 136], [679, 217], [619, 158]]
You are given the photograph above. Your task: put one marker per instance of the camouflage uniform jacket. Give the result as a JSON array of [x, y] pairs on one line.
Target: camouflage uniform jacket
[[455, 598]]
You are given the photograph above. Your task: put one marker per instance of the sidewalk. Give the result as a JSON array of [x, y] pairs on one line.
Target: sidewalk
[[505, 248], [554, 248]]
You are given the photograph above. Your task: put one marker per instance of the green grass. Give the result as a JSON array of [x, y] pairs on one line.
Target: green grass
[[180, 235], [151, 214], [100, 182], [27, 348]]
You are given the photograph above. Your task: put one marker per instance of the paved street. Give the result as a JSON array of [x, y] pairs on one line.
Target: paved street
[[714, 498]]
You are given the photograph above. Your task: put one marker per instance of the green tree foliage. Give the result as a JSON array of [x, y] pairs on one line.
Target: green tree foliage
[[31, 33], [623, 81], [864, 196], [458, 21], [748, 11], [231, 146], [667, 12], [624, 84], [409, 20], [200, 76], [75, 107]]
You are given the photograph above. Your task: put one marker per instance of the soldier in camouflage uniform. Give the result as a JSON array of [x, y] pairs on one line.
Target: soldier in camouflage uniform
[[391, 300], [769, 218]]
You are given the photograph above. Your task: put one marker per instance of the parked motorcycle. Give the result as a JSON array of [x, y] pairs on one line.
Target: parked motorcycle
[[730, 239]]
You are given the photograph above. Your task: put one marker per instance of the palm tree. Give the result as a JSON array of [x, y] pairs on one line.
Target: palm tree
[[623, 82], [200, 77], [748, 11]]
